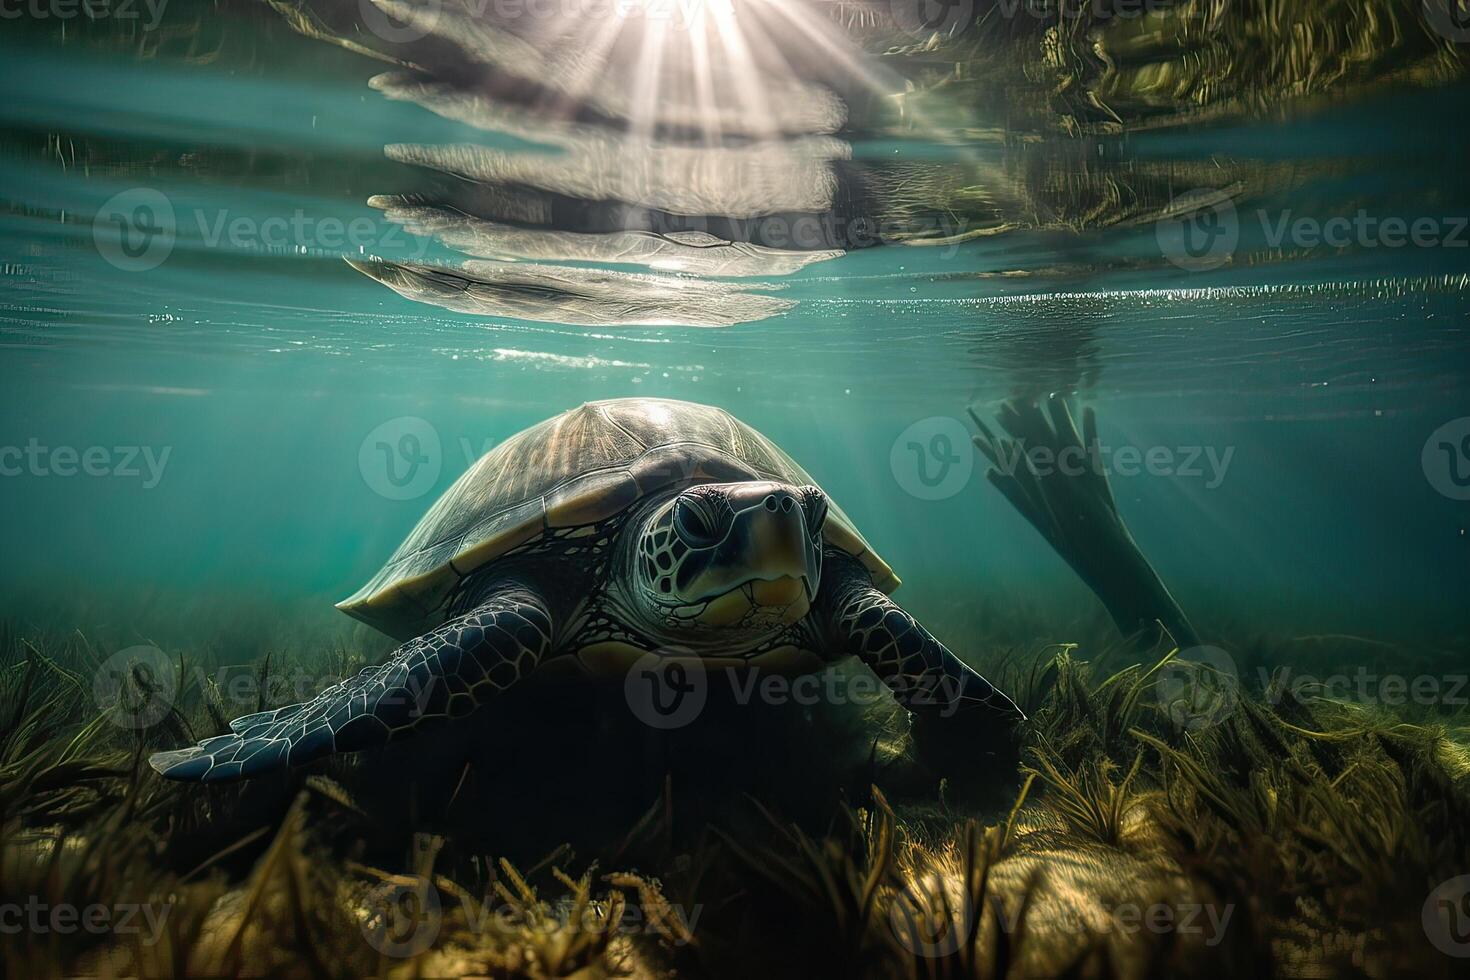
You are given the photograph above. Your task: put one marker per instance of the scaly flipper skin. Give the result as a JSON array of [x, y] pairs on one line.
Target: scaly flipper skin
[[924, 676], [441, 675]]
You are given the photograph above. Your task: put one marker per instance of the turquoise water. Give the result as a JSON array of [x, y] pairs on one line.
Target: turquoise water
[[236, 391]]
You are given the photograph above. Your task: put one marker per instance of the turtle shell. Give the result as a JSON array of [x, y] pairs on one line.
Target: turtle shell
[[579, 468]]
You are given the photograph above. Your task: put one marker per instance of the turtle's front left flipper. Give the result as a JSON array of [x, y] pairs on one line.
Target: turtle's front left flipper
[[441, 675], [858, 618]]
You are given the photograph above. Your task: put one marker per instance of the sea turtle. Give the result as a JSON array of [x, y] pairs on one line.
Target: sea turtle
[[621, 530]]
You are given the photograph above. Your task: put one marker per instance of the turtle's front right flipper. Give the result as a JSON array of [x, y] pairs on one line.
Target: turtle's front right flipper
[[436, 677], [959, 718], [858, 618]]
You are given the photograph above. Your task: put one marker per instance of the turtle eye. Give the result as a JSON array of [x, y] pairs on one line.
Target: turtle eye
[[695, 522], [814, 504]]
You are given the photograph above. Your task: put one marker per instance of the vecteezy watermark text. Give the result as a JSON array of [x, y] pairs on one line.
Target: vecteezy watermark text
[[124, 462], [149, 11], [136, 230], [1201, 687], [934, 919], [37, 916], [405, 915], [1191, 462], [943, 232], [922, 19], [933, 459], [1363, 230], [669, 690], [1369, 687], [1203, 229]]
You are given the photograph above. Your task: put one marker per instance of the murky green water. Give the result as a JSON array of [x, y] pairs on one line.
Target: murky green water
[[200, 396]]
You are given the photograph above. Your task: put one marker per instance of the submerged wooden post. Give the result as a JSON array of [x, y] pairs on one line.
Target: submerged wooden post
[[1078, 516]]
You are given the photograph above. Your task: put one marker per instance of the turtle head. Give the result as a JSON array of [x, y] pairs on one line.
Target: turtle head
[[741, 555]]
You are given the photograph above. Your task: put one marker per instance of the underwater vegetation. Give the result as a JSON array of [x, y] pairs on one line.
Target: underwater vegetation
[[1168, 809], [1269, 832], [1115, 65]]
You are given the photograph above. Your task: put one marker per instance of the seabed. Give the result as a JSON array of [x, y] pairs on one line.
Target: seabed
[[1159, 817]]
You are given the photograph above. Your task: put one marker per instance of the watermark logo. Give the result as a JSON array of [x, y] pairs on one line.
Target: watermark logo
[[1446, 917], [1200, 232], [135, 687], [922, 19], [933, 458], [401, 458], [403, 917], [135, 230], [931, 919], [1199, 688], [407, 23], [1446, 459], [667, 690], [1449, 18]]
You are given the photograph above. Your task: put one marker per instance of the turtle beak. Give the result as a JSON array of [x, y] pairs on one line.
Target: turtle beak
[[780, 554], [780, 592], [766, 561], [778, 548]]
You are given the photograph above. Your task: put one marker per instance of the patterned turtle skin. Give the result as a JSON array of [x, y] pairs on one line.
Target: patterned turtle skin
[[619, 532]]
